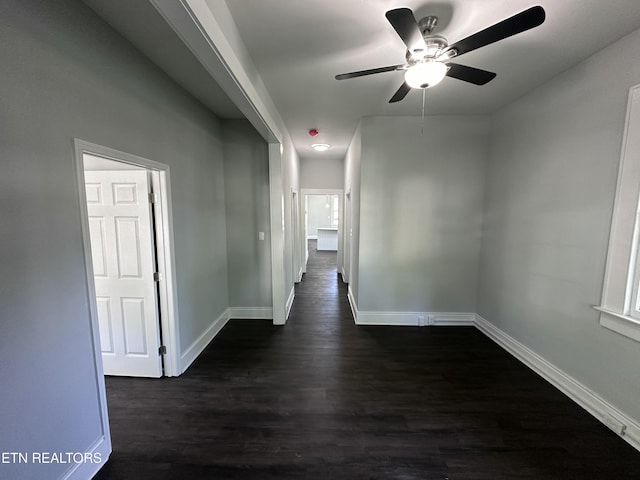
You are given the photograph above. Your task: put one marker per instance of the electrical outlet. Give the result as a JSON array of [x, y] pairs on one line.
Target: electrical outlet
[[260, 235], [421, 322], [615, 425], [431, 321]]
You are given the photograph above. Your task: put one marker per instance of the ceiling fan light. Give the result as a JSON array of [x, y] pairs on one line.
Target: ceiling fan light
[[425, 74]]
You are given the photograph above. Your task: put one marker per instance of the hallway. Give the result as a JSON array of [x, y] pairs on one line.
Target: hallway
[[321, 398]]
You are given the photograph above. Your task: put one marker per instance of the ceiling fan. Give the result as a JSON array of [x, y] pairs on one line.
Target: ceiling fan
[[428, 57]]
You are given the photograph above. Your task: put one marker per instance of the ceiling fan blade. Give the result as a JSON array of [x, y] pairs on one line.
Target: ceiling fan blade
[[519, 23], [362, 73], [404, 23], [401, 93], [469, 74]]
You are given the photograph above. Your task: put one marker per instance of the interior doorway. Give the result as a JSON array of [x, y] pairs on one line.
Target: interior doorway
[[346, 263], [323, 222], [127, 237], [295, 251]]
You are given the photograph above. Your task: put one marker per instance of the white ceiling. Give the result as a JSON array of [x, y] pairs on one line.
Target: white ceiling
[[299, 46]]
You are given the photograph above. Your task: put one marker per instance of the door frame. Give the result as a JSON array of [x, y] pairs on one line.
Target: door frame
[[346, 244], [296, 233], [324, 191], [167, 295]]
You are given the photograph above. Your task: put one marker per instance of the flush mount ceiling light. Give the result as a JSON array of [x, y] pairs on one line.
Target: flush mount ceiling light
[[321, 147], [425, 74]]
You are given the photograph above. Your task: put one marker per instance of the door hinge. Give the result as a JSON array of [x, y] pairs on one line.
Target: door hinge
[[157, 276], [153, 198], [162, 350]]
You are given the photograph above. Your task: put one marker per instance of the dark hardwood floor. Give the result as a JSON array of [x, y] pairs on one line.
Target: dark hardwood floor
[[323, 399]]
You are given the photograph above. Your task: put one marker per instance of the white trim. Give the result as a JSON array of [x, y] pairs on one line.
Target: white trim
[[622, 324], [297, 236], [166, 263], [105, 434], [292, 296], [200, 343], [416, 319], [346, 237], [250, 313], [583, 396], [312, 237], [81, 471], [164, 233]]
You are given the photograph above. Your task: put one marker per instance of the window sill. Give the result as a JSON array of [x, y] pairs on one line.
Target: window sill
[[619, 323]]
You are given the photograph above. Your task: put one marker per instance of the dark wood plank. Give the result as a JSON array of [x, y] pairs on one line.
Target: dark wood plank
[[322, 398]]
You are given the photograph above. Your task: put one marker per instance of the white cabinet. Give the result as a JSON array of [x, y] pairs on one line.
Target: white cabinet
[[328, 238]]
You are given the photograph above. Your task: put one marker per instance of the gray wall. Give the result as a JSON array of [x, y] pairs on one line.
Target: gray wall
[[325, 173], [246, 174], [66, 74], [550, 187], [421, 213]]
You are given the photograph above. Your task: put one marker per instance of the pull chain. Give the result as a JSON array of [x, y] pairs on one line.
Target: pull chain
[[424, 94]]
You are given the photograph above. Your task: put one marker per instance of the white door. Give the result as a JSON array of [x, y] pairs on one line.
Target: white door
[[123, 265]]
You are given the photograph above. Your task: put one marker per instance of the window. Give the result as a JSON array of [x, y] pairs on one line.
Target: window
[[632, 306], [620, 309], [334, 211]]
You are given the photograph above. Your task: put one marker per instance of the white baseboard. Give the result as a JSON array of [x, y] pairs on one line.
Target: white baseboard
[[251, 313], [101, 449], [292, 296], [416, 319], [583, 396], [409, 319], [202, 341]]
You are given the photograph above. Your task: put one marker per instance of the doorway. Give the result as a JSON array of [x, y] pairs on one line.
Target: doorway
[[126, 225], [346, 263], [323, 222], [297, 271]]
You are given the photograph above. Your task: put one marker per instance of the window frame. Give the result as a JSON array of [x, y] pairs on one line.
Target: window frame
[[622, 274]]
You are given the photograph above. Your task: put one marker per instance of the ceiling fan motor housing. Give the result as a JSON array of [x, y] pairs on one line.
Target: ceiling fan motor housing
[[435, 45]]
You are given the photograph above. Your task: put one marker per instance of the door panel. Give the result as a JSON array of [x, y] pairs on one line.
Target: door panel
[[123, 263]]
